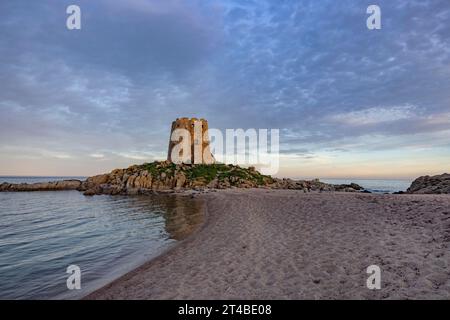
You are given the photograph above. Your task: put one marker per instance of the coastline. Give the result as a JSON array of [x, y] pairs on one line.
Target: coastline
[[161, 254], [284, 244]]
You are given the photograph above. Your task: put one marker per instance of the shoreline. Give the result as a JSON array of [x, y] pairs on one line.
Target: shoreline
[[284, 244], [160, 255]]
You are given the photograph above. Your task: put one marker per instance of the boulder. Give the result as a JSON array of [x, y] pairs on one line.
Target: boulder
[[96, 180], [180, 180], [90, 192], [4, 186], [439, 184]]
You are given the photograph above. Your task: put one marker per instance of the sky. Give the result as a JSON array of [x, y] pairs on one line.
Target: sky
[[349, 102]]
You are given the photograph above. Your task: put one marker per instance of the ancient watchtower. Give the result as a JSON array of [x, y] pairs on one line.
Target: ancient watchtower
[[189, 142]]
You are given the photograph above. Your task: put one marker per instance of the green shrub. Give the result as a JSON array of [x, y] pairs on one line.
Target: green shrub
[[208, 172]]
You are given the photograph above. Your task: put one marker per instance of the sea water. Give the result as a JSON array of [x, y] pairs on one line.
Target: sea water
[[42, 233]]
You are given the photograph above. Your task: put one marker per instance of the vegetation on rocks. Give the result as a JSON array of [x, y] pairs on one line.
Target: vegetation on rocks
[[167, 176], [207, 172]]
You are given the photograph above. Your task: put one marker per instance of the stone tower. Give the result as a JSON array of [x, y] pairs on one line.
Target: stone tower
[[193, 136]]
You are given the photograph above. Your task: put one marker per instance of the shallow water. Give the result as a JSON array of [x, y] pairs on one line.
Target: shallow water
[[42, 233]]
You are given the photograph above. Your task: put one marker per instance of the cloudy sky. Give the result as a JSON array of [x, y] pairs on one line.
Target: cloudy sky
[[349, 102]]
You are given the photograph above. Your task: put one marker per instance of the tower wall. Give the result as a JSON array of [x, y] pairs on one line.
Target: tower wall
[[189, 125]]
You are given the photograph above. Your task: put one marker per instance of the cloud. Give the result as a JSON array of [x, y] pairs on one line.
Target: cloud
[[97, 155], [309, 68], [375, 115]]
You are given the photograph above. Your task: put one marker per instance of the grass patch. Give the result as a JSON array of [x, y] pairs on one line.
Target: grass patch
[[207, 172], [155, 168]]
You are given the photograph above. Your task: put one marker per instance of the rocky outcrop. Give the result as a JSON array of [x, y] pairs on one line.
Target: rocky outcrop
[[313, 185], [166, 176], [439, 184], [43, 186]]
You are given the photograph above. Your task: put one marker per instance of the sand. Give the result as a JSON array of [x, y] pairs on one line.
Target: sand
[[283, 244]]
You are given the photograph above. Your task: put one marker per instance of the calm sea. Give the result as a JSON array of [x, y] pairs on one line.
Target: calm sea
[[42, 233]]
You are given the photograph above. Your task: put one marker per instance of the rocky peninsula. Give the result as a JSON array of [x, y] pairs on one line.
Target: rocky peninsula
[[42, 186], [165, 176]]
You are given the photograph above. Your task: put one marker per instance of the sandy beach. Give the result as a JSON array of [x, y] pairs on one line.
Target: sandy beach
[[283, 244]]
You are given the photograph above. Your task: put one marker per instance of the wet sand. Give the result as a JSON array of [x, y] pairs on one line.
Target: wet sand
[[283, 244]]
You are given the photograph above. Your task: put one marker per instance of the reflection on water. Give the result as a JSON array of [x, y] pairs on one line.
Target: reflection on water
[[182, 217], [41, 233]]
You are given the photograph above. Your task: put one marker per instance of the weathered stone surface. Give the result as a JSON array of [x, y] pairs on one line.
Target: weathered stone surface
[[96, 180], [90, 192], [213, 184], [43, 186], [198, 132], [439, 184], [166, 176], [180, 180]]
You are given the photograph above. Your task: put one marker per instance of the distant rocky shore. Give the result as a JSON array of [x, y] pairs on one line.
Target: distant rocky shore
[[42, 186], [165, 176]]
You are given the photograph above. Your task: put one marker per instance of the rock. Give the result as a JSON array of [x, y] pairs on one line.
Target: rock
[[180, 180], [147, 181], [99, 179], [91, 182], [353, 187], [356, 186], [313, 185], [4, 186], [225, 184], [439, 184], [90, 192], [132, 191], [130, 182], [117, 172], [109, 189], [43, 186], [198, 182], [166, 177]]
